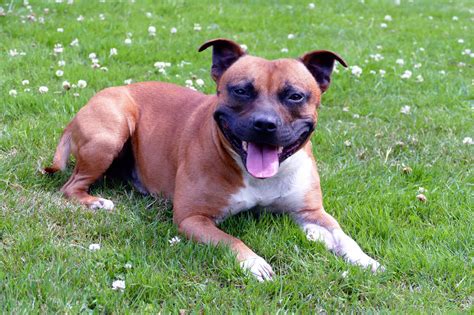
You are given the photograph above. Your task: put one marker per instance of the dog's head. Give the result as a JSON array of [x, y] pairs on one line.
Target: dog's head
[[267, 108]]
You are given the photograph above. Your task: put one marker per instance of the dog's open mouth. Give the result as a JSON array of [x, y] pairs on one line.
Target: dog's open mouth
[[262, 160]]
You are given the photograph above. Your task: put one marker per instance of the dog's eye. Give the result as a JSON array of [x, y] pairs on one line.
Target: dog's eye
[[295, 97], [240, 92]]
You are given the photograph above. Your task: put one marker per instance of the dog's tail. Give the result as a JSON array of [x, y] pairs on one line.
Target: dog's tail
[[62, 153]]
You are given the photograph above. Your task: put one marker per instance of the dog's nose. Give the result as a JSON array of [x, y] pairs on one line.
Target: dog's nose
[[266, 124]]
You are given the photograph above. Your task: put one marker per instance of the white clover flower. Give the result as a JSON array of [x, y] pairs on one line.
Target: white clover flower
[[405, 110], [80, 18], [75, 42], [455, 18], [188, 83], [400, 62], [421, 49], [430, 17], [27, 90], [161, 64], [13, 93], [43, 89], [356, 70], [345, 109], [388, 18], [94, 247], [311, 6], [61, 63], [75, 94], [291, 36], [13, 52], [442, 72], [151, 30], [148, 15], [127, 81], [197, 27], [461, 41], [347, 143], [105, 69], [379, 47], [356, 116], [406, 75], [66, 85], [81, 84], [417, 65], [422, 190], [466, 52], [25, 82], [58, 49], [127, 41], [59, 73], [92, 55], [383, 25], [173, 30], [113, 52], [175, 239], [118, 285], [244, 47], [467, 140], [199, 82], [419, 78], [101, 16], [372, 72], [376, 57], [60, 30], [128, 266], [382, 72], [345, 274], [284, 50]]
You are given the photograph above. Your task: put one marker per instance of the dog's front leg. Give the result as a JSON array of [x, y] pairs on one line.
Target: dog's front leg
[[320, 226], [203, 229]]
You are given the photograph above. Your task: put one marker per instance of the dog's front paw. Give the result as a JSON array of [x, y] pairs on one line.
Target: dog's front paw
[[258, 267], [369, 263], [101, 203], [352, 252]]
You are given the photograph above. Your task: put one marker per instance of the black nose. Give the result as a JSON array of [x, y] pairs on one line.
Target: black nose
[[266, 124]]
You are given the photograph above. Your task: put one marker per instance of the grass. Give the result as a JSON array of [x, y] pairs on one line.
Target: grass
[[45, 263]]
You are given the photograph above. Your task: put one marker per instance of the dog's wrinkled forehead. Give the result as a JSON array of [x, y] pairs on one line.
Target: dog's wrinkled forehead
[[270, 76]]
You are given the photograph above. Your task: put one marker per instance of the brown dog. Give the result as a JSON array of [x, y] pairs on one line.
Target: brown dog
[[215, 155]]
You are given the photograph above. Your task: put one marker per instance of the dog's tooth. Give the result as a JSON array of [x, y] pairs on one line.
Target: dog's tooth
[[244, 145], [280, 149]]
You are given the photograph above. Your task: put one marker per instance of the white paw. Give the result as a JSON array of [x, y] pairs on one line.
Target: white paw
[[352, 252], [258, 267], [102, 203]]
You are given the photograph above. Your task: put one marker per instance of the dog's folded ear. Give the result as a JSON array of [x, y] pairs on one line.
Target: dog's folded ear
[[321, 63], [224, 53]]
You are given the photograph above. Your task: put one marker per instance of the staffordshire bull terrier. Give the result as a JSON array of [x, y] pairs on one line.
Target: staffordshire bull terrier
[[215, 155]]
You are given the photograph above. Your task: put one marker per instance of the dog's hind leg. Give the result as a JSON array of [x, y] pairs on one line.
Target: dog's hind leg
[[93, 160], [97, 136]]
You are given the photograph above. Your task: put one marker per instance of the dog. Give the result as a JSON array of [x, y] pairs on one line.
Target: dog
[[215, 155]]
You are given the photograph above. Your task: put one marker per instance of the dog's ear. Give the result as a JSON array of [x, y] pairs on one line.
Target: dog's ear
[[321, 63], [224, 53]]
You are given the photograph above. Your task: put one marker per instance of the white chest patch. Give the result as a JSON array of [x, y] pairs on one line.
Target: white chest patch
[[285, 191]]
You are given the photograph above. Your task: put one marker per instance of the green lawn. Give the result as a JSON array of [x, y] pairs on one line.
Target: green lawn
[[364, 144]]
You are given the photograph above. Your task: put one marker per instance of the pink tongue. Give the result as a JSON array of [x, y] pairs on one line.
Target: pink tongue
[[262, 160]]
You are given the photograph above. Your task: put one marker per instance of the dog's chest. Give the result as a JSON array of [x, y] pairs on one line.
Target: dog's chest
[[283, 192]]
